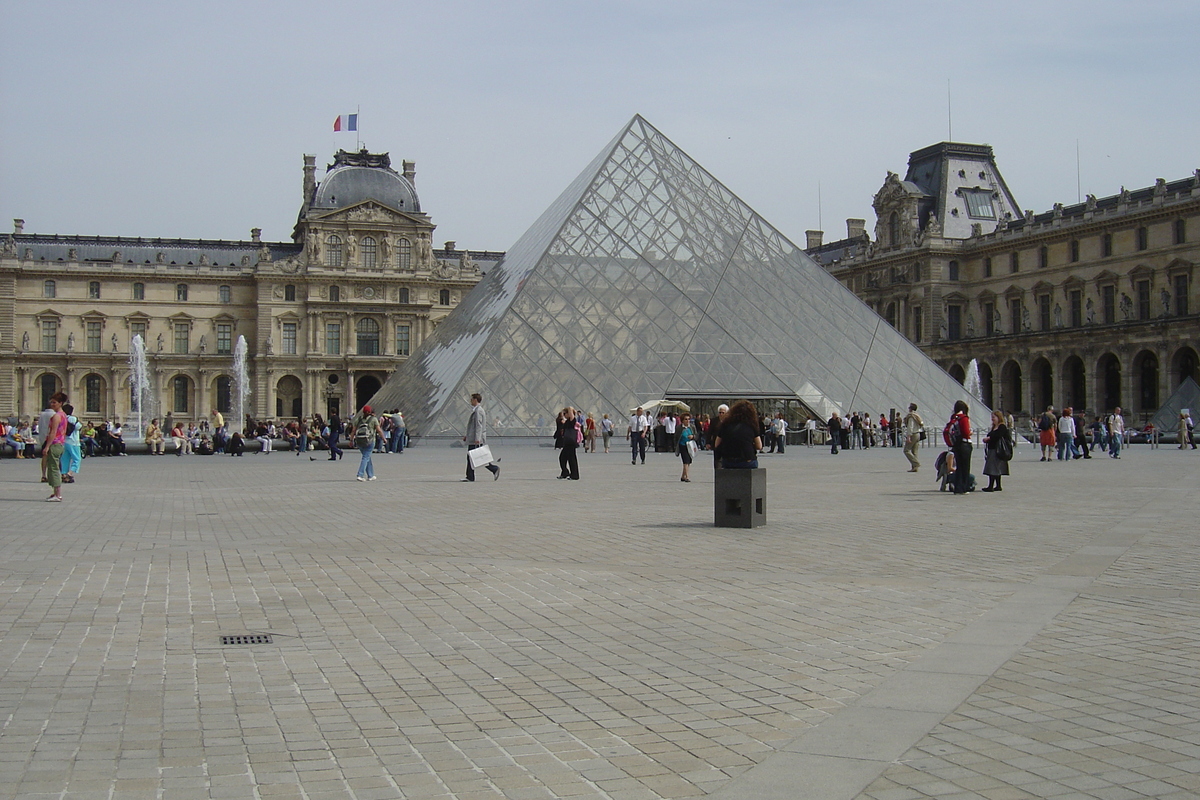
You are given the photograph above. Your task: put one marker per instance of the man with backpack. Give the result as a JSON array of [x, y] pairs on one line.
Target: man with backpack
[[957, 435], [366, 429]]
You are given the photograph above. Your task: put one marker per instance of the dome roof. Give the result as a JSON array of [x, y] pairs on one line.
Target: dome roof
[[353, 178]]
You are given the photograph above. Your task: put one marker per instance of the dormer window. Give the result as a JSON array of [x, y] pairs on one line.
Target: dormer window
[[979, 204], [894, 229]]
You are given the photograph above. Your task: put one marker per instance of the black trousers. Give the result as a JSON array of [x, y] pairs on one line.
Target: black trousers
[[568, 462]]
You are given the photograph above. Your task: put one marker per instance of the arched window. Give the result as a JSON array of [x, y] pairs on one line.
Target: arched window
[[49, 384], [335, 294], [894, 229], [289, 293], [368, 337], [404, 295], [49, 289], [368, 252], [404, 254], [444, 297], [333, 251], [182, 388]]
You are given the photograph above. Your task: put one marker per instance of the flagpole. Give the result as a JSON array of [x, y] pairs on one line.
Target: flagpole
[[358, 128]]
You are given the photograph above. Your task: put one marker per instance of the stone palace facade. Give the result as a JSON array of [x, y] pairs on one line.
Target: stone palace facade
[[1092, 305], [326, 316]]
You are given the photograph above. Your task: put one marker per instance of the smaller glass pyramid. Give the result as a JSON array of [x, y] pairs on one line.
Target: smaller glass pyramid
[[648, 278]]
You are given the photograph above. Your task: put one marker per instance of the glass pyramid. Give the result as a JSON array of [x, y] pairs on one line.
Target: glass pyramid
[[647, 278]]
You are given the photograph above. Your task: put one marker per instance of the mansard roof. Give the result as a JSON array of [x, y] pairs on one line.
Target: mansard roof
[[1175, 190], [355, 177], [141, 251]]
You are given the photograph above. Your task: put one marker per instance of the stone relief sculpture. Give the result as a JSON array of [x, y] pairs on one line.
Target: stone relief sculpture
[[424, 250]]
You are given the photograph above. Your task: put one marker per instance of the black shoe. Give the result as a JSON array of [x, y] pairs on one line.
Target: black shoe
[[987, 489], [563, 477], [467, 480], [496, 474]]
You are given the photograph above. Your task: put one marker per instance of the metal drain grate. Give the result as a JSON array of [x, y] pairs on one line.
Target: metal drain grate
[[246, 638]]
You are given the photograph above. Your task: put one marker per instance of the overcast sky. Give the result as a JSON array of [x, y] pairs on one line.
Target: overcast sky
[[190, 120]]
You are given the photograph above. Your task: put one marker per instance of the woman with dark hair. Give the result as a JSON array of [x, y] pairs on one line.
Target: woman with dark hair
[[738, 440], [995, 465], [568, 437], [958, 438]]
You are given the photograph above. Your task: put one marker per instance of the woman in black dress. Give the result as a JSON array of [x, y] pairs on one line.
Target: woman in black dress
[[994, 466]]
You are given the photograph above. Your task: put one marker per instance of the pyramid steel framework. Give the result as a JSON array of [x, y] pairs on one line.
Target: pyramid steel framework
[[645, 279]]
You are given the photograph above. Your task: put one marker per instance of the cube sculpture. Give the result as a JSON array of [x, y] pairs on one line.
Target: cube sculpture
[[740, 498]]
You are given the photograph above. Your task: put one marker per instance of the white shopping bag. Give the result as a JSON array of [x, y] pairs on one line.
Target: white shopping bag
[[480, 457]]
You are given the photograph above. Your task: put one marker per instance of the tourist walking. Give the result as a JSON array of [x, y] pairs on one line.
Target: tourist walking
[[914, 428], [687, 445], [738, 439], [72, 456], [1116, 432], [477, 436], [53, 439], [639, 428], [568, 437], [997, 452], [1186, 429], [606, 430], [589, 434], [366, 429], [1066, 436], [1046, 433], [835, 432], [957, 435], [333, 435]]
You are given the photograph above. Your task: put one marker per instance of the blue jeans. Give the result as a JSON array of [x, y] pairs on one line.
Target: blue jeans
[[739, 464], [365, 467], [1114, 446]]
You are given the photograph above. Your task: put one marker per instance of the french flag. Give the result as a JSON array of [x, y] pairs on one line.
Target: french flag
[[346, 122]]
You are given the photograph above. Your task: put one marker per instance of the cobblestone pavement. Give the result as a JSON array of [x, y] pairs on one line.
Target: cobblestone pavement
[[530, 638]]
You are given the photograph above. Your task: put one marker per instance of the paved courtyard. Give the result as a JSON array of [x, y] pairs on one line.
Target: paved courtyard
[[532, 639]]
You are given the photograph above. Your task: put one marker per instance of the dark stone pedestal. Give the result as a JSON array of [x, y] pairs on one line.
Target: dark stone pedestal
[[739, 498]]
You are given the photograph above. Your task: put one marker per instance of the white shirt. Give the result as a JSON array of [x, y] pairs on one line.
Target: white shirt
[[669, 424], [639, 423]]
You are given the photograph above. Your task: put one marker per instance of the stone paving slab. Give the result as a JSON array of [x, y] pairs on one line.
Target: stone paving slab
[[534, 638]]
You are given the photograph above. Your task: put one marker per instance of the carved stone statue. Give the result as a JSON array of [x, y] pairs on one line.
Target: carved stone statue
[[203, 343], [25, 341], [1025, 326], [466, 264], [1091, 312], [424, 250], [160, 343], [385, 250], [114, 343], [997, 322], [71, 342], [267, 345], [314, 248], [1126, 307], [970, 325], [1166, 303], [1058, 319]]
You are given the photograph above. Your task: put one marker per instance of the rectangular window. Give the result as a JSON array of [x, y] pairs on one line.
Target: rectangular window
[[953, 322], [1044, 311], [137, 329], [979, 205], [1076, 297], [1143, 238], [987, 267], [93, 337], [181, 292], [403, 335], [1108, 297], [333, 338], [1014, 262], [989, 322], [1180, 231], [225, 294], [224, 338], [181, 387], [1106, 245], [1074, 250], [289, 338], [917, 320], [1181, 295], [93, 290], [1015, 310], [139, 291], [181, 337], [92, 395], [1043, 257], [49, 335], [1143, 300]]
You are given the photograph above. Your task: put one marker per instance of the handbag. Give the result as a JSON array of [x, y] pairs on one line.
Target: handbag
[[921, 436], [480, 456], [691, 448]]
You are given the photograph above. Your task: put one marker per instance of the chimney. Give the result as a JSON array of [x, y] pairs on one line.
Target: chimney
[[451, 247], [310, 178], [18, 226], [856, 229], [410, 172], [256, 235], [814, 239]]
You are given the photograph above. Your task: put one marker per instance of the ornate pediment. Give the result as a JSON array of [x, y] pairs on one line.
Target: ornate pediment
[[371, 212]]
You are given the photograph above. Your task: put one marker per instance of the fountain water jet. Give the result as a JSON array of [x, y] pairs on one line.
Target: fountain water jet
[[241, 382], [139, 383], [971, 381]]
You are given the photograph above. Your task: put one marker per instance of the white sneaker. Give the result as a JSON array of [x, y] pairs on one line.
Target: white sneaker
[[371, 478], [360, 478]]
